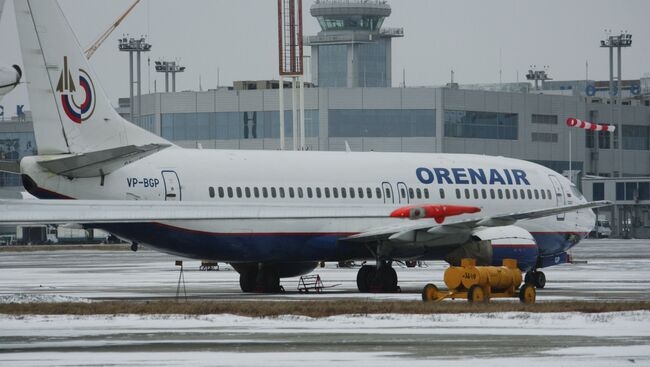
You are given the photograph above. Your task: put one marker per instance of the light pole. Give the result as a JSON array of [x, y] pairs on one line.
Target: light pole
[[132, 45]]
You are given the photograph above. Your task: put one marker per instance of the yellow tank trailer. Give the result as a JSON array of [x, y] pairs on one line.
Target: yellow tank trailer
[[480, 283]]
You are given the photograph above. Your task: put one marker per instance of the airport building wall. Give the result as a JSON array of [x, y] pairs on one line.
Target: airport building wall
[[521, 125]]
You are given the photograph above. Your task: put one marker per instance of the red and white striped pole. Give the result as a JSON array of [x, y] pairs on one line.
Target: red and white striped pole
[[574, 122]]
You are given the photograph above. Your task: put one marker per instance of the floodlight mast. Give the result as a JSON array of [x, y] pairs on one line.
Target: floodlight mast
[[619, 41], [131, 45], [169, 67]]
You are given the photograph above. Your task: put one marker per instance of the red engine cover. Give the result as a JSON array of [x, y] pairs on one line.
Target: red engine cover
[[438, 212]]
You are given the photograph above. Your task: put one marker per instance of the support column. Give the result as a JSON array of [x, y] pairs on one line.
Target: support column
[[619, 93], [166, 82], [139, 88], [294, 113], [173, 81], [302, 114], [131, 84], [281, 109]]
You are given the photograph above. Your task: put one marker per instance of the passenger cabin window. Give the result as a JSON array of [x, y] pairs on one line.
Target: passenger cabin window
[[507, 193], [411, 193], [335, 192], [239, 194], [211, 191], [500, 193], [369, 192], [467, 194], [426, 193], [360, 191], [530, 194], [273, 192], [281, 189], [221, 192], [442, 193], [543, 194], [492, 194], [536, 194], [378, 192], [300, 192], [351, 193], [292, 192], [387, 193], [344, 193], [418, 193], [256, 192], [549, 193], [475, 193], [318, 192], [484, 193], [265, 192], [514, 194], [310, 194], [248, 192], [327, 192], [402, 192], [457, 193], [230, 195]]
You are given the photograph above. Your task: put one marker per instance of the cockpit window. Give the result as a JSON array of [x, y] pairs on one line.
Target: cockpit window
[[577, 192]]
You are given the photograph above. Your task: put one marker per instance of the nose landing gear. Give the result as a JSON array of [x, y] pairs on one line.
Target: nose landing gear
[[536, 278], [380, 278]]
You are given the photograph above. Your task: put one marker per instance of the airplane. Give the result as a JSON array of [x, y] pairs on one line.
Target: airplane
[[274, 214], [9, 79]]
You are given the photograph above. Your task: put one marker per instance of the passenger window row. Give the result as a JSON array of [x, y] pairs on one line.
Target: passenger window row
[[507, 194]]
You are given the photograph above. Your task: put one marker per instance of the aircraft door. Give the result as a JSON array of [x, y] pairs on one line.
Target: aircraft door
[[172, 186], [402, 193], [387, 189], [560, 199]]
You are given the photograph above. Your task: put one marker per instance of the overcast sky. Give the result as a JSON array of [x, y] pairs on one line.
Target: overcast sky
[[475, 38]]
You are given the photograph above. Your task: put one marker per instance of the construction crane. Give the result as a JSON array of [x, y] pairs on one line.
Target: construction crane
[[91, 50]]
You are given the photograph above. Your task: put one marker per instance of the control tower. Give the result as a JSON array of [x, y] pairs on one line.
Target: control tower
[[352, 49]]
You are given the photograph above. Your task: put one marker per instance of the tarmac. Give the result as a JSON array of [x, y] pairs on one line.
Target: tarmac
[[607, 270]]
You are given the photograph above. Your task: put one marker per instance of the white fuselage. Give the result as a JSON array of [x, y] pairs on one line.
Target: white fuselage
[[319, 179]]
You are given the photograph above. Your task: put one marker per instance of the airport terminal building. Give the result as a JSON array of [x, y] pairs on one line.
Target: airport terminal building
[[348, 103]]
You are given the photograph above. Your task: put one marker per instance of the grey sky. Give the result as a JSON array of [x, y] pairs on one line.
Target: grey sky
[[468, 36]]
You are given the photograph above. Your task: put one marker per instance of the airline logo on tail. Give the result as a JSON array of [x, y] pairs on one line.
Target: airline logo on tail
[[77, 112]]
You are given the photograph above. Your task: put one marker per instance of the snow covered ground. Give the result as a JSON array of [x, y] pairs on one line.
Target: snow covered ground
[[560, 339], [615, 269]]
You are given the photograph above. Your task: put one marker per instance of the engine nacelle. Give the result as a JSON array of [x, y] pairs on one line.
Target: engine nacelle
[[9, 79], [510, 242], [283, 270], [489, 246]]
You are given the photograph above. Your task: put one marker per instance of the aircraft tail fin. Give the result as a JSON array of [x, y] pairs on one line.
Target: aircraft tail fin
[[71, 112]]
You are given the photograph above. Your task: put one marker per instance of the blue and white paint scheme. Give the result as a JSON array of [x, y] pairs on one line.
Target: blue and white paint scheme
[[274, 213]]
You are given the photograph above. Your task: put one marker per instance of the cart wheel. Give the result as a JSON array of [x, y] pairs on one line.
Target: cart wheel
[[476, 294], [429, 292], [527, 294], [540, 280]]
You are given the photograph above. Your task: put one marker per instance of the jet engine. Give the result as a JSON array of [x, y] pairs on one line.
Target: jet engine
[[489, 246], [9, 79]]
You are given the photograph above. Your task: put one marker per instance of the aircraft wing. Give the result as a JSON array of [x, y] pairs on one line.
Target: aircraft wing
[[133, 211], [406, 232]]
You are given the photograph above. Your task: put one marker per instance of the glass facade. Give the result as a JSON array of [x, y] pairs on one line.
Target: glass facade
[[561, 166], [632, 191], [368, 23], [481, 125], [371, 64], [382, 123], [544, 137], [232, 125], [333, 66], [13, 147], [636, 137], [146, 122]]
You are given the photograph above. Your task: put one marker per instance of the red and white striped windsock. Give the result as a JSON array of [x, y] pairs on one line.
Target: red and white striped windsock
[[574, 122]]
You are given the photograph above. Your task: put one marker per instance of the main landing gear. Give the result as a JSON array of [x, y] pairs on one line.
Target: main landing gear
[[536, 278], [377, 278], [259, 279]]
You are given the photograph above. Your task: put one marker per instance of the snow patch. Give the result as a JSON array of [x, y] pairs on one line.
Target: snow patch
[[40, 298]]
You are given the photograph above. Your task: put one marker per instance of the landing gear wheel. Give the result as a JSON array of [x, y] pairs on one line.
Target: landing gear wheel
[[248, 280], [528, 279], [540, 280], [271, 283], [364, 277], [388, 279], [429, 293], [476, 294], [527, 294]]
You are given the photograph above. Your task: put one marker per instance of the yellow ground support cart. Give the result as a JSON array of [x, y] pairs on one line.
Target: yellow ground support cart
[[481, 283]]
